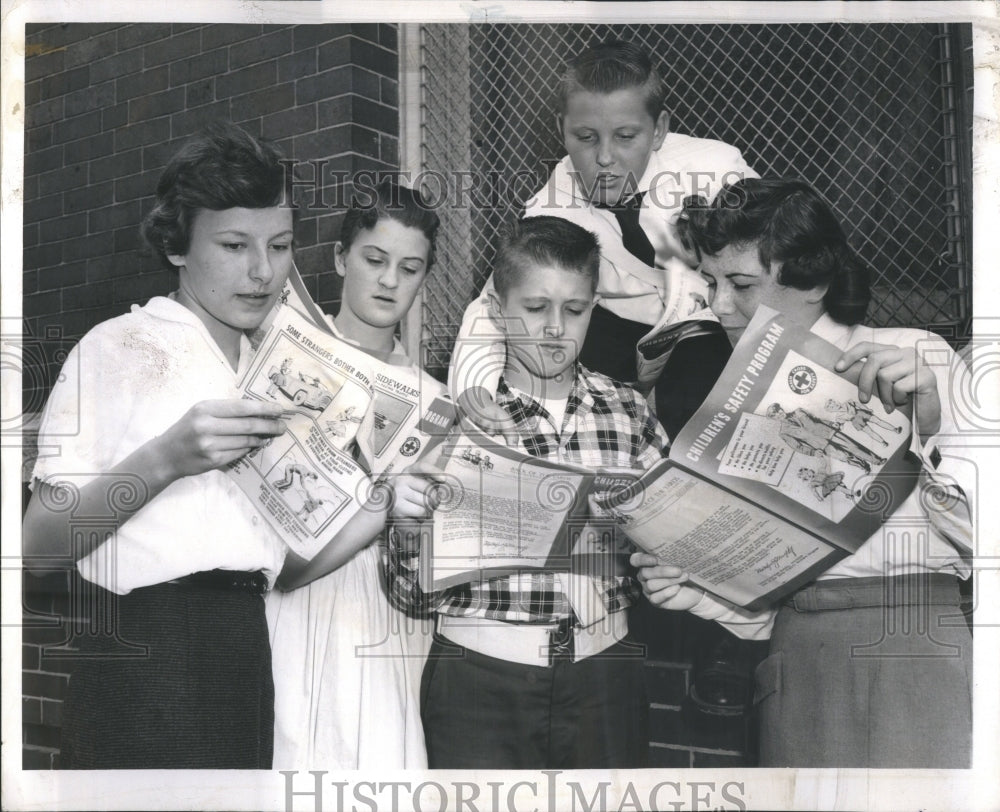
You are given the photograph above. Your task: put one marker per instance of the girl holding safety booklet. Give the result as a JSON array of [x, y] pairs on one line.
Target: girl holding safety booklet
[[145, 414], [346, 663], [870, 664]]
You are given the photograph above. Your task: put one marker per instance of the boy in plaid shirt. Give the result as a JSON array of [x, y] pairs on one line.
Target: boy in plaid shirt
[[532, 670]]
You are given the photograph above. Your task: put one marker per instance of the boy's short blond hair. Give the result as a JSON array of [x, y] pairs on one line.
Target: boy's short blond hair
[[609, 66], [545, 241]]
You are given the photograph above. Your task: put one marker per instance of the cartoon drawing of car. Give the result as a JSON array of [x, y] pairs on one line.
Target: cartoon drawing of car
[[306, 391]]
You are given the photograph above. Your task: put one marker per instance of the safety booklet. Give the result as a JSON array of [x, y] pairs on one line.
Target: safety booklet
[[352, 418], [782, 472]]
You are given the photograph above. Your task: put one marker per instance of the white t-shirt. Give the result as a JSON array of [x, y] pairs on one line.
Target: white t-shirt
[[126, 382]]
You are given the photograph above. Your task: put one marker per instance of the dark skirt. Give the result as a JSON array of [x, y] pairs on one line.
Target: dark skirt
[[868, 673], [184, 682]]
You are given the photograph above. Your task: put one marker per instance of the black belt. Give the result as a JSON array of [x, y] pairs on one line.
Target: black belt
[[253, 582]]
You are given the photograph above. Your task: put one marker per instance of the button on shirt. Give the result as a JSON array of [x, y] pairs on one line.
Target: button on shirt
[[606, 425], [127, 381]]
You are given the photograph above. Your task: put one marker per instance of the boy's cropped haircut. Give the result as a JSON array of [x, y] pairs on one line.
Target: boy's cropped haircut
[[792, 225], [394, 201], [545, 241], [609, 66], [222, 167]]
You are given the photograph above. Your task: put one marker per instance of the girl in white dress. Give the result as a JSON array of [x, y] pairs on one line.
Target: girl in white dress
[[346, 663]]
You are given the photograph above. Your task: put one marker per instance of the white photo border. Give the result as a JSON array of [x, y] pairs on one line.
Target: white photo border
[[977, 788]]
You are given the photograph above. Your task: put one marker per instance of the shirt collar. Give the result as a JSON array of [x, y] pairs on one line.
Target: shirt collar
[[524, 408], [833, 331], [398, 355], [168, 308], [654, 170]]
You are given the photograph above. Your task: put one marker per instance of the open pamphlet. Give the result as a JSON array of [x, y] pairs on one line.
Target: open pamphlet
[[351, 417], [781, 473], [502, 510]]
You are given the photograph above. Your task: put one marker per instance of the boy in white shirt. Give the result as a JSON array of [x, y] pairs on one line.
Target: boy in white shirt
[[625, 179]]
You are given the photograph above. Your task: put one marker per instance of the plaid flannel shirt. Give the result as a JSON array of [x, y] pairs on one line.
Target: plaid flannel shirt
[[606, 425]]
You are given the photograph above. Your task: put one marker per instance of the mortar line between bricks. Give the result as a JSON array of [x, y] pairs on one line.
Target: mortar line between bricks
[[662, 706], [704, 750]]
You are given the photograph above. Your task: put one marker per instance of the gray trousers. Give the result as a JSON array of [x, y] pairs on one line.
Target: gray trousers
[[868, 672]]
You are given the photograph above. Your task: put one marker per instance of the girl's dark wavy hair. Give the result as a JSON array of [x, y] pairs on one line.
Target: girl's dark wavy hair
[[394, 201], [792, 225], [223, 167]]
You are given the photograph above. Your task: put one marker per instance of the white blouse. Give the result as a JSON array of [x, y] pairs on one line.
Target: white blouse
[[126, 382]]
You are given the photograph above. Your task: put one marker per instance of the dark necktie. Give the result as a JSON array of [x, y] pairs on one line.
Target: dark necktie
[[633, 237], [696, 362], [609, 347]]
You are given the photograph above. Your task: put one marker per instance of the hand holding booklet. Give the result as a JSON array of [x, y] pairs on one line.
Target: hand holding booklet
[[351, 416], [781, 473]]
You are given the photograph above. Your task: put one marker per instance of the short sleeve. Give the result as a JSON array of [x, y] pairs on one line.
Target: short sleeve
[[744, 624], [84, 415]]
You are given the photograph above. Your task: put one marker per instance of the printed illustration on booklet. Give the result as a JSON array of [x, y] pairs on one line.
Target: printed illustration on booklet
[[351, 417], [781, 473]]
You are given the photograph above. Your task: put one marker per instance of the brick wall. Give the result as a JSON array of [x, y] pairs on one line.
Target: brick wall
[[678, 645], [106, 106], [44, 674]]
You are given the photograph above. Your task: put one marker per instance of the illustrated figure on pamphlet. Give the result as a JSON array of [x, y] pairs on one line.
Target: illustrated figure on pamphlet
[[861, 417], [338, 425], [816, 437], [293, 470], [474, 457], [309, 504], [306, 484], [824, 482], [279, 378]]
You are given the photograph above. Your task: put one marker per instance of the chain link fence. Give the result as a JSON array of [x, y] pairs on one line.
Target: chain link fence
[[876, 116]]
